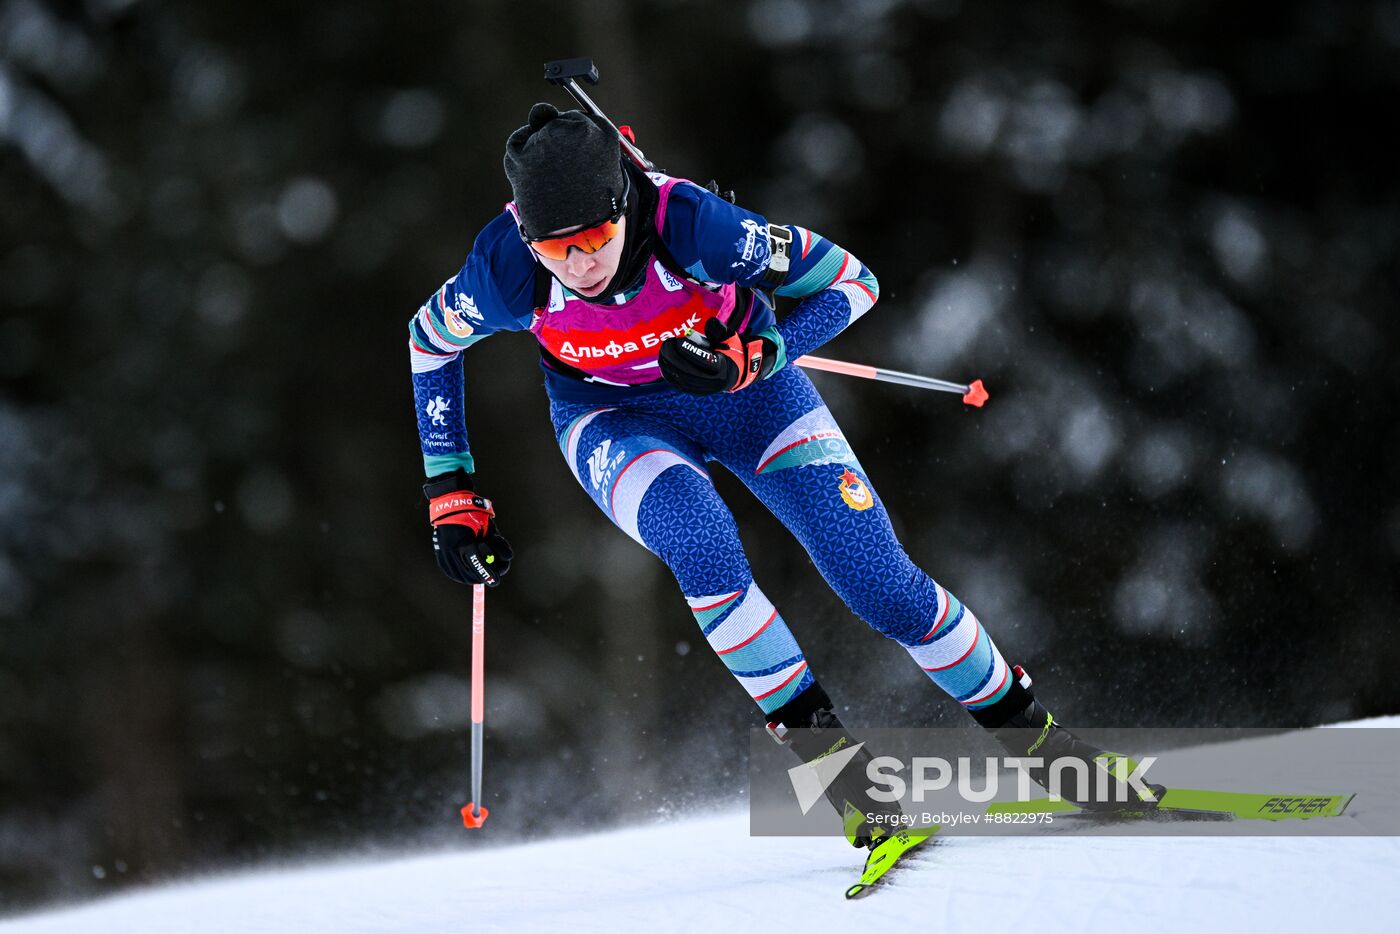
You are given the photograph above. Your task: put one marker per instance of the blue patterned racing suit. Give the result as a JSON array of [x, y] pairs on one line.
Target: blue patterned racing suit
[[641, 451]]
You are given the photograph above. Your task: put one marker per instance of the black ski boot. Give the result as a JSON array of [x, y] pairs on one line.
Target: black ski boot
[[1028, 730], [810, 728]]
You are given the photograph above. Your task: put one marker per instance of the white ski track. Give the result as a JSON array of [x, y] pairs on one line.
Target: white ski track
[[707, 874]]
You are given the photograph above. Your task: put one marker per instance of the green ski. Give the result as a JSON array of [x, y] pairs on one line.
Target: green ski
[[1188, 801], [887, 854]]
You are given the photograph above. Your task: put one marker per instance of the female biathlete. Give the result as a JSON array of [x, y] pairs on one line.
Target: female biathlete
[[661, 353]]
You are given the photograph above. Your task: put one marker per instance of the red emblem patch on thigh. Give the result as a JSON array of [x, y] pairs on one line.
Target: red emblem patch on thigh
[[854, 492]]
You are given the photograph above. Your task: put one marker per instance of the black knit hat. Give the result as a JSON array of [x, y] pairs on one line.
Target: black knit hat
[[565, 170]]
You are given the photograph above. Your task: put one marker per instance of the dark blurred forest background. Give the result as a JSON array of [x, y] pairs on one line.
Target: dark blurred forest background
[[1164, 233]]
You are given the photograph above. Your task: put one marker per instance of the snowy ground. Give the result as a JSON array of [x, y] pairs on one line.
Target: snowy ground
[[705, 874]]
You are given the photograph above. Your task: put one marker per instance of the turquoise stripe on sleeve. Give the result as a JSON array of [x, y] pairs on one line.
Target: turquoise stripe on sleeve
[[818, 277], [869, 281], [771, 332], [436, 464], [460, 332]]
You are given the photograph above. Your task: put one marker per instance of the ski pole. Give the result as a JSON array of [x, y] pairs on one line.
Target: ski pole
[[973, 393], [565, 73], [474, 814]]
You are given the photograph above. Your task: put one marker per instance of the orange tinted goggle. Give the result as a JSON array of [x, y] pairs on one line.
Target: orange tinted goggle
[[588, 240]]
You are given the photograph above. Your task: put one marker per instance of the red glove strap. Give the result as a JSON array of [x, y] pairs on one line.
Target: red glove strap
[[461, 508], [747, 357]]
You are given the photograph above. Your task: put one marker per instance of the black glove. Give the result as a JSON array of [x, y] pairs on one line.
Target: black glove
[[468, 546], [720, 361]]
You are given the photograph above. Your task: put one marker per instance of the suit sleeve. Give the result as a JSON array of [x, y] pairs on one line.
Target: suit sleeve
[[719, 242], [491, 292]]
